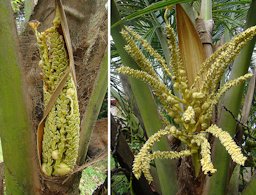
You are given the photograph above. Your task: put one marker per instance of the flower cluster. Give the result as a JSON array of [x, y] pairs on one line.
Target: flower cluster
[[192, 108], [61, 131]]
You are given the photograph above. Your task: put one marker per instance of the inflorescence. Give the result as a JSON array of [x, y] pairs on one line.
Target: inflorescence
[[192, 109], [62, 125]]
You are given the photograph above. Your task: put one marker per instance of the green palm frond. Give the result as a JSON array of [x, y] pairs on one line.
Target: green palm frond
[[228, 15]]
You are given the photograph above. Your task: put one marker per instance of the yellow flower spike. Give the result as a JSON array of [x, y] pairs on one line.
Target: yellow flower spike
[[206, 163], [159, 88], [170, 154], [137, 55], [61, 127], [227, 51], [151, 51], [230, 145], [232, 48], [175, 62], [142, 159], [228, 85], [142, 165]]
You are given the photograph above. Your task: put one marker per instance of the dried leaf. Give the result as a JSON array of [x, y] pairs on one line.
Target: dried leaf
[[191, 48]]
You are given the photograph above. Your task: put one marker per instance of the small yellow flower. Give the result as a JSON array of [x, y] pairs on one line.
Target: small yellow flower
[[189, 115]]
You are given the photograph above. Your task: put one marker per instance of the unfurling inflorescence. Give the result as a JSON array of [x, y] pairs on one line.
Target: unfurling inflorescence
[[61, 130], [192, 108]]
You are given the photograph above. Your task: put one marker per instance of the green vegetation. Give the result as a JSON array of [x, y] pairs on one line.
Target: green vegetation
[[92, 177], [17, 5]]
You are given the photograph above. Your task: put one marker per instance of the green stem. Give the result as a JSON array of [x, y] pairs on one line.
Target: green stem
[[18, 139], [93, 108], [233, 187], [196, 163], [206, 9], [207, 22], [232, 101], [148, 109]]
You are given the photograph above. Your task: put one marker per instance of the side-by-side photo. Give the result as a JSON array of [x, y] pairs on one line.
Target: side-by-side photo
[[127, 97], [54, 102], [183, 97]]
